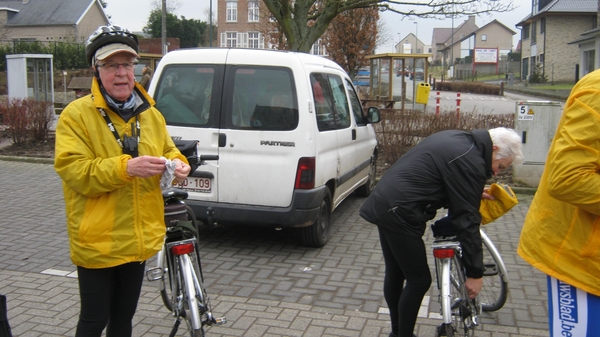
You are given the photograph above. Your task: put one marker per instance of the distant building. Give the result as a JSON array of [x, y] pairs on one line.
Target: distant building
[[50, 20], [550, 37]]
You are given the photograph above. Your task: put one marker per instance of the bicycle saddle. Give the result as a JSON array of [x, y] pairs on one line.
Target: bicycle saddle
[[174, 193]]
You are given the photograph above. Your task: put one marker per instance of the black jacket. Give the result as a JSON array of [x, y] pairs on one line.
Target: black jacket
[[445, 170]]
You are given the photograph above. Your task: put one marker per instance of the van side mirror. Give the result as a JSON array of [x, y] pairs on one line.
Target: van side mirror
[[373, 115]]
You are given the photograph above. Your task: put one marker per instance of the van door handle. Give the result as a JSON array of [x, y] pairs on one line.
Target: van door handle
[[353, 134], [222, 139]]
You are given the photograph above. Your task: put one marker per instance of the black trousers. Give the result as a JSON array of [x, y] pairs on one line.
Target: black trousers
[[405, 260], [109, 297]]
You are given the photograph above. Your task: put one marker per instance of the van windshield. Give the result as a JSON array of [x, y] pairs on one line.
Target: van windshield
[[261, 98]]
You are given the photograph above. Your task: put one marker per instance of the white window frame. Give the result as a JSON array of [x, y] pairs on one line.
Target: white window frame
[[230, 39], [231, 11], [253, 11], [483, 37], [256, 40]]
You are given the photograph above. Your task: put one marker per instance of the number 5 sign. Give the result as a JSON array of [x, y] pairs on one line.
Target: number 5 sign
[[525, 114]]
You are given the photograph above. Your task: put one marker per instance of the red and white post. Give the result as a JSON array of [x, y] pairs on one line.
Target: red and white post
[[458, 106], [437, 103]]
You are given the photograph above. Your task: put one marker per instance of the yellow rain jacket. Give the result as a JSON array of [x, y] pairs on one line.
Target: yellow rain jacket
[[112, 218], [561, 234]]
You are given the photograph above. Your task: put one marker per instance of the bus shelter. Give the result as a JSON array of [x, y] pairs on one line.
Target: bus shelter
[[397, 80]]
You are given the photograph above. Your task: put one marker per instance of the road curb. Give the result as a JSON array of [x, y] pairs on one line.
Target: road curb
[[28, 159]]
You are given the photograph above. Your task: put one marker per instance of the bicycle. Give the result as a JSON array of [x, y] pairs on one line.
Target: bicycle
[[460, 314], [178, 265]]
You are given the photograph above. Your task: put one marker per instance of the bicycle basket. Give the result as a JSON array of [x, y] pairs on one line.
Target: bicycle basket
[[175, 212]]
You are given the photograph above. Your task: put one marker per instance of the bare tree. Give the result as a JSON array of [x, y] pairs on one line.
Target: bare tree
[[351, 36], [302, 22]]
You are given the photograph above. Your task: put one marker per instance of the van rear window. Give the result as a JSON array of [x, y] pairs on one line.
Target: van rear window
[[184, 95], [261, 98]]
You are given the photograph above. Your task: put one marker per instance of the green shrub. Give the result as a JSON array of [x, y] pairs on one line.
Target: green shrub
[[469, 87]]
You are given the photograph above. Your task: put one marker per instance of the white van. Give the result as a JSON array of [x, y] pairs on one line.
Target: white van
[[292, 138]]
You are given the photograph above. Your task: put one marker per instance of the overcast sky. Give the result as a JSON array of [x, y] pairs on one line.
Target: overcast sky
[[133, 15]]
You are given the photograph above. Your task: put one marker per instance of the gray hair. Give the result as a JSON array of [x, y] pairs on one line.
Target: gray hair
[[508, 142]]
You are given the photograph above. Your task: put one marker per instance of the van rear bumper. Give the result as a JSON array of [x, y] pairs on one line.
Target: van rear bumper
[[302, 212]]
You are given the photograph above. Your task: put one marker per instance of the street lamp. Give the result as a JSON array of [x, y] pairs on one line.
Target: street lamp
[[65, 86], [416, 38]]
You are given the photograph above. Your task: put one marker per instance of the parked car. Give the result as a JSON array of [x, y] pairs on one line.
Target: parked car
[[402, 72], [417, 74], [292, 137]]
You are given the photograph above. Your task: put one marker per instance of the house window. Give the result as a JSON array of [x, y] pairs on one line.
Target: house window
[[253, 11], [255, 40], [231, 10], [543, 26], [483, 37], [533, 32], [318, 48], [230, 39], [589, 63], [525, 32], [525, 68]]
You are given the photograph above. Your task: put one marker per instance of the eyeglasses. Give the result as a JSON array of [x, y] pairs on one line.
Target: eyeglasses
[[115, 66]]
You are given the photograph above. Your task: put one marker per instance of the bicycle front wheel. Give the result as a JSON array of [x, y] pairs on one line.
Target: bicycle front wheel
[[494, 291]]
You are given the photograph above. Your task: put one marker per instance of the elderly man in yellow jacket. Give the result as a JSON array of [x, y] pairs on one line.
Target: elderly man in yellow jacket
[[111, 150], [561, 234]]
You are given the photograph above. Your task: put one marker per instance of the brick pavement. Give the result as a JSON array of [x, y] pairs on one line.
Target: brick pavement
[[262, 280]]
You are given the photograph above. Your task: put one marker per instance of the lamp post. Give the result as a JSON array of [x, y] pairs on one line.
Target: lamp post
[[65, 86], [416, 38], [210, 30]]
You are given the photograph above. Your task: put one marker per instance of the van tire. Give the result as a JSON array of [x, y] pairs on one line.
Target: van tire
[[317, 234], [366, 189]]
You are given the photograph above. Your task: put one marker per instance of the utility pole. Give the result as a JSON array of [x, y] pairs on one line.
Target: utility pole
[[210, 28]]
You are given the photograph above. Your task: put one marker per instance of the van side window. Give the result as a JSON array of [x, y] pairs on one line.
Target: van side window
[[261, 98], [357, 109], [331, 103], [184, 94], [340, 101]]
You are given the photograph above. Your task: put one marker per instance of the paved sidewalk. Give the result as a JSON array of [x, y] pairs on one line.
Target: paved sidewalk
[[262, 280]]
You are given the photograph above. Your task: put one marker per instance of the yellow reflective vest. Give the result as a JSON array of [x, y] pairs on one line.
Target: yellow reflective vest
[[561, 233], [112, 218]]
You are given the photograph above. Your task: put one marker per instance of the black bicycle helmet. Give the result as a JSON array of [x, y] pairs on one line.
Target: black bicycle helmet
[[106, 35]]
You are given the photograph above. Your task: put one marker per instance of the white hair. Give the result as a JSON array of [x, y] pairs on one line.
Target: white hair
[[508, 142]]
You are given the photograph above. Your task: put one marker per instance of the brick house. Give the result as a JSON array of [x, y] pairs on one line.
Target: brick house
[[468, 36], [50, 20], [546, 35], [589, 49], [246, 24], [240, 24]]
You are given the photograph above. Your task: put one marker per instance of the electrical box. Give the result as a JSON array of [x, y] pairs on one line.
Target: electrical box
[[536, 123], [423, 93]]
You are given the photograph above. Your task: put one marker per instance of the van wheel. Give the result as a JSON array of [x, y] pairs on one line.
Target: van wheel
[[366, 189], [317, 234]]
